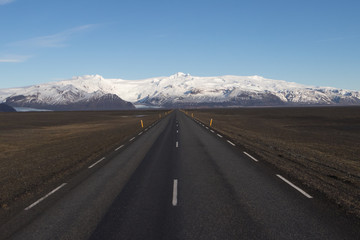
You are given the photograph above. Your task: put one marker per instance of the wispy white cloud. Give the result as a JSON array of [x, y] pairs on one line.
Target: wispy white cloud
[[54, 40], [3, 2], [32, 45], [13, 58]]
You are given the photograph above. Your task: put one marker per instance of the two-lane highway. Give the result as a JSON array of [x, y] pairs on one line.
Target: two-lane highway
[[182, 180]]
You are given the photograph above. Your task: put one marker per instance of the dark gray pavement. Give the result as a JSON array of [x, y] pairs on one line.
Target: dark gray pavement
[[221, 194]]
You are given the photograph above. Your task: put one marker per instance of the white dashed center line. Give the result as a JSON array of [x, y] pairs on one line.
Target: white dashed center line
[[219, 135], [294, 186], [46, 196], [212, 131], [177, 144], [132, 139], [140, 133], [175, 193]]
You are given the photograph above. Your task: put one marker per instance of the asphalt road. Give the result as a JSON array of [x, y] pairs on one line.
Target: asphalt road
[[181, 180]]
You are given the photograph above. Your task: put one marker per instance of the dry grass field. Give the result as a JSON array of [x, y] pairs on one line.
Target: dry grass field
[[319, 146], [39, 149]]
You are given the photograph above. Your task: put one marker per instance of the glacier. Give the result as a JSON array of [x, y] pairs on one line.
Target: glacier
[[179, 90]]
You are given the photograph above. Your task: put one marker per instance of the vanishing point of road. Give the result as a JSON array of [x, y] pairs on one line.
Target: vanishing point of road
[[179, 179]]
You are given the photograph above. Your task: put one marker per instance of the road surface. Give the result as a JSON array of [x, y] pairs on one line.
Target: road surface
[[181, 180]]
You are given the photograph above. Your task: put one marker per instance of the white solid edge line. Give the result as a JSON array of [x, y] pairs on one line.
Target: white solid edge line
[[119, 147], [175, 192], [44, 197], [219, 135], [251, 157], [294, 186], [132, 139], [231, 143], [97, 162]]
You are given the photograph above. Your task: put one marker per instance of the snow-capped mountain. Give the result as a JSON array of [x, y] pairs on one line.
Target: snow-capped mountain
[[63, 96], [178, 90]]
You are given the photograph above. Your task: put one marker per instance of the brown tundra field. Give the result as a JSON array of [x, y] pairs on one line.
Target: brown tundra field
[[318, 146], [39, 149]]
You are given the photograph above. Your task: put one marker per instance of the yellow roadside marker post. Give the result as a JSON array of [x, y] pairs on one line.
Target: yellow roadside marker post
[[211, 122]]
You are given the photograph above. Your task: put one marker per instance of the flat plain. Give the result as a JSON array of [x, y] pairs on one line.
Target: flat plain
[[317, 146], [40, 149]]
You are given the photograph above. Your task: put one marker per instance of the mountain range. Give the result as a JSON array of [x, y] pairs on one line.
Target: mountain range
[[93, 92], [6, 108]]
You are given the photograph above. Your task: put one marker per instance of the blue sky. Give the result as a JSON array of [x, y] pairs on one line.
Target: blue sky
[[314, 42]]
